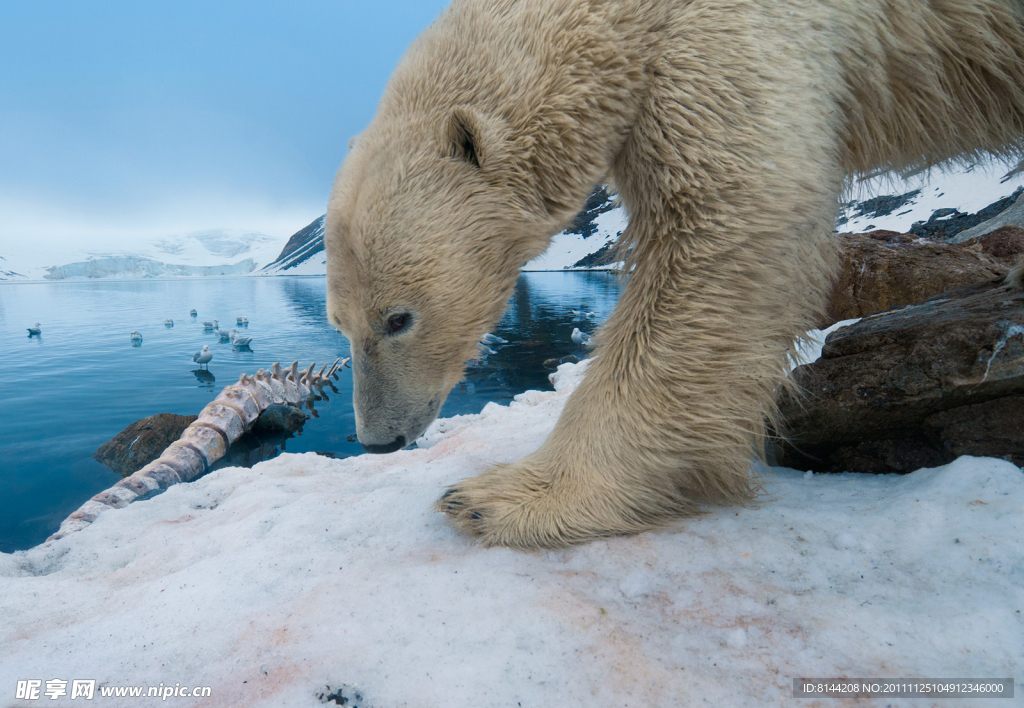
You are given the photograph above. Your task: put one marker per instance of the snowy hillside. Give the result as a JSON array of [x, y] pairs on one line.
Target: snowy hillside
[[921, 203], [307, 577], [567, 249], [303, 254], [198, 254], [887, 202]]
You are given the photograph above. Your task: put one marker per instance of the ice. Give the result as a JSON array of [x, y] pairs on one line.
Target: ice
[[269, 584]]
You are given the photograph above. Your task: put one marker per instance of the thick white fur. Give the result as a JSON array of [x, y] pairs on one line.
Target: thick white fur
[[729, 128]]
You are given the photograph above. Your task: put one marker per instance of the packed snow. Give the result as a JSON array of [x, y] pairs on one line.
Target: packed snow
[[269, 584]]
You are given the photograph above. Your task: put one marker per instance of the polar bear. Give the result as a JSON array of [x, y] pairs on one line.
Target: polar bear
[[729, 128]]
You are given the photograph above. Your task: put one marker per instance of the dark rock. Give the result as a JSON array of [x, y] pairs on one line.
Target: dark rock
[[884, 269], [279, 418], [995, 427], [914, 386], [555, 363], [1005, 244], [142, 442], [1012, 215]]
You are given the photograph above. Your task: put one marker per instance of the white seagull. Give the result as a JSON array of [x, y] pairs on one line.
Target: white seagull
[[225, 336], [203, 357], [136, 336], [193, 313], [242, 320], [238, 340], [581, 338], [35, 329], [168, 323], [211, 325], [493, 339]]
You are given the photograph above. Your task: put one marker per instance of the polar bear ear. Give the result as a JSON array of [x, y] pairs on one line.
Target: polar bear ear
[[463, 136]]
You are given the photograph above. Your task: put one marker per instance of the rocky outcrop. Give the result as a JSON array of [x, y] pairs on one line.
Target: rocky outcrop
[[954, 226], [279, 418], [1008, 212], [914, 387], [884, 269], [142, 442], [1005, 244]]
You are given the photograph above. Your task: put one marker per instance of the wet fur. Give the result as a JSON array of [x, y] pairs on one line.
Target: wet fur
[[730, 129]]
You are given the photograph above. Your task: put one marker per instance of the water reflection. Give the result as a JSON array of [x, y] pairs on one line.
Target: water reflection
[[50, 432], [205, 378]]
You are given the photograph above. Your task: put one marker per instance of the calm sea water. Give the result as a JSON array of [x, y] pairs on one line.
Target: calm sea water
[[68, 391]]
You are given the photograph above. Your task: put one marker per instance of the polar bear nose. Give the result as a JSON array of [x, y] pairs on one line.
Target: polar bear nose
[[396, 444]]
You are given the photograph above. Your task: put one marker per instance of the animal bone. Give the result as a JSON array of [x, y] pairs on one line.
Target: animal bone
[[220, 423]]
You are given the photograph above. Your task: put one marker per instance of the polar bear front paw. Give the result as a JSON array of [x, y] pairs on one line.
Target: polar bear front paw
[[519, 506]]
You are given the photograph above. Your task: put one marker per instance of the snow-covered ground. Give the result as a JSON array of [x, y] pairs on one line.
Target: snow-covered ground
[[203, 253], [267, 584], [965, 188], [568, 248]]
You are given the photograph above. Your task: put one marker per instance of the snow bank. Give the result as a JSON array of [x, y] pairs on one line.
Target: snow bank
[[267, 584]]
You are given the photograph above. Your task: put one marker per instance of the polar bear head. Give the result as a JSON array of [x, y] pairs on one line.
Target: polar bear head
[[426, 231]]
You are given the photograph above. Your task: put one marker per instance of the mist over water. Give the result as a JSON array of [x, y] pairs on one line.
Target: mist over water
[[82, 381]]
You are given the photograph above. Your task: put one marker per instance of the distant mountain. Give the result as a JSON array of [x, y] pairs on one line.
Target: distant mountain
[[6, 273], [599, 224], [209, 253], [130, 267], [303, 254]]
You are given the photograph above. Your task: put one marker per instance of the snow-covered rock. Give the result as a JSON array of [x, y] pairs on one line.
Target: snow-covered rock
[[268, 584]]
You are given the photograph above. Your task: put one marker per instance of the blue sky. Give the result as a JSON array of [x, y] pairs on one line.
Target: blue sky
[[165, 118]]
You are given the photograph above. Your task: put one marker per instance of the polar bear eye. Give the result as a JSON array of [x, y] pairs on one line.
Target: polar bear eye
[[396, 323]]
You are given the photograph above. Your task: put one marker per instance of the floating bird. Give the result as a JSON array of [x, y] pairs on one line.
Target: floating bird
[[168, 323], [581, 338], [493, 339], [242, 320], [35, 329], [238, 340], [203, 357], [485, 350], [136, 336], [211, 325], [193, 313], [225, 336]]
